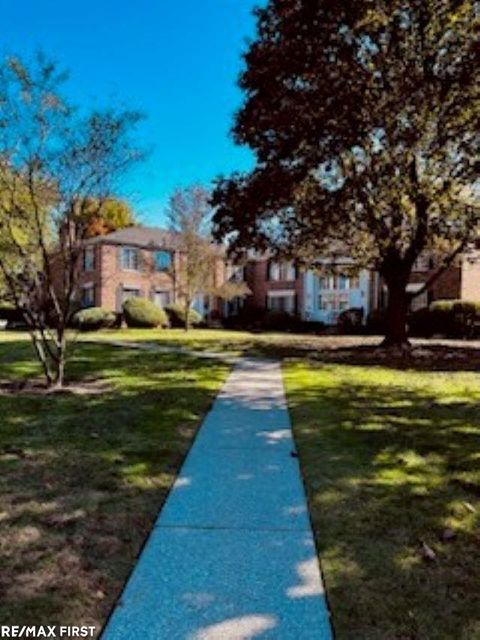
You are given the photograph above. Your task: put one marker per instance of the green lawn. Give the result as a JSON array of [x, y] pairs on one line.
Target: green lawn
[[83, 475], [391, 460], [390, 457]]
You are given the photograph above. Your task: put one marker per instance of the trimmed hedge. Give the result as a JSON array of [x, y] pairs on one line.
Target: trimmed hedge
[[176, 315], [143, 314], [94, 318], [451, 318]]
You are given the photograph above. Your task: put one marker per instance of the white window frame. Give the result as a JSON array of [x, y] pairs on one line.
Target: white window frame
[[126, 250]]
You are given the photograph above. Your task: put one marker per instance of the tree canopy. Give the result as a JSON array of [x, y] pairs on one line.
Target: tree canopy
[[58, 166], [97, 217], [364, 118]]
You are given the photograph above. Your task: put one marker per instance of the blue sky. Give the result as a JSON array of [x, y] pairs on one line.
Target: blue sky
[[176, 61]]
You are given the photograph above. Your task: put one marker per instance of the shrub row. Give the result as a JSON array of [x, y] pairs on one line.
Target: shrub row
[[255, 319], [138, 313], [451, 318]]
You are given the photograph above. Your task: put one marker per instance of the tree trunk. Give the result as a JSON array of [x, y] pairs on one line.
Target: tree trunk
[[187, 314], [60, 361], [396, 317]]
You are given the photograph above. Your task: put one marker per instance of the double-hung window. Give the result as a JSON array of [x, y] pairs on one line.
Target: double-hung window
[[129, 259], [163, 260], [88, 259]]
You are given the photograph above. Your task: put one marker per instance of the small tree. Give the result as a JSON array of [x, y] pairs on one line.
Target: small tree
[[190, 214], [364, 118], [55, 165]]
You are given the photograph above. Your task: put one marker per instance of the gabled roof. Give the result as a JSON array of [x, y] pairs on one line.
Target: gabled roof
[[146, 238], [139, 236]]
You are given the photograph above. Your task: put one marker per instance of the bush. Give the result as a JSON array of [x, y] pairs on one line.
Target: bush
[[451, 318], [9, 313], [377, 322], [350, 320], [143, 313], [420, 323], [94, 318], [176, 315], [279, 321]]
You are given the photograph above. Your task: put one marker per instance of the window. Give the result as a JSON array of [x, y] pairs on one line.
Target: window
[[282, 271], [354, 282], [342, 282], [422, 263], [322, 282], [161, 298], [88, 295], [88, 259], [129, 258], [130, 292], [163, 260], [285, 303]]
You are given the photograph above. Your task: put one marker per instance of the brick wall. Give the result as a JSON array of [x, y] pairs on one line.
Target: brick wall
[[109, 278], [257, 278], [470, 285]]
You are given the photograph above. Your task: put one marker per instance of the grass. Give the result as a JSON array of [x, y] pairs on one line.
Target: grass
[[82, 476], [390, 457], [391, 463]]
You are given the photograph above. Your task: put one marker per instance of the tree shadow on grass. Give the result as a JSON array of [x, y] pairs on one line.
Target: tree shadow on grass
[[389, 469], [83, 477]]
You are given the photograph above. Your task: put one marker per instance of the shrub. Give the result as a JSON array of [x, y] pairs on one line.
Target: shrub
[[350, 320], [9, 313], [143, 313], [420, 323], [279, 321], [94, 318], [377, 321], [176, 315], [455, 318]]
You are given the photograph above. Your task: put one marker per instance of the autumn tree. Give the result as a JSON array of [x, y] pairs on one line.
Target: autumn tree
[[364, 119], [98, 217], [56, 163], [189, 214]]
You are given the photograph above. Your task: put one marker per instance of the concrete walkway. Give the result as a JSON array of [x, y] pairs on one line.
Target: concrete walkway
[[231, 556]]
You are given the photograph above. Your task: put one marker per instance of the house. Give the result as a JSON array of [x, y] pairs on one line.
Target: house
[[138, 262], [144, 262], [322, 294]]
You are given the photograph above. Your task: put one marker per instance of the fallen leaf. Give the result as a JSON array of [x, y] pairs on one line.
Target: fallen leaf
[[427, 552]]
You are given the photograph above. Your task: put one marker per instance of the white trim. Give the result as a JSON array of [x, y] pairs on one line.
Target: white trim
[[281, 293]]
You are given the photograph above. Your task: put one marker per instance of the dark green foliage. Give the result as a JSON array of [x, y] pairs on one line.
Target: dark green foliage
[[377, 322], [279, 321], [176, 315], [94, 318], [364, 120], [143, 313], [450, 318], [350, 320], [421, 324]]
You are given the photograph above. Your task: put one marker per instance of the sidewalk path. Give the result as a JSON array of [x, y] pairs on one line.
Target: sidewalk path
[[231, 556]]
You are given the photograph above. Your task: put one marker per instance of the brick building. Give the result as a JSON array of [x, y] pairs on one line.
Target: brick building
[[138, 262], [143, 261]]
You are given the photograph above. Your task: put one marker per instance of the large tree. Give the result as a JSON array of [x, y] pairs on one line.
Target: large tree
[[364, 118], [57, 164]]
